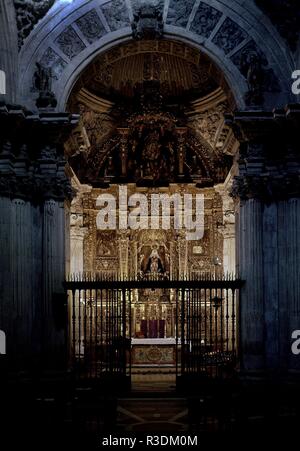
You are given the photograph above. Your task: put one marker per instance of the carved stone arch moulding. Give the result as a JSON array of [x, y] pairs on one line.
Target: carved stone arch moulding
[[254, 59]]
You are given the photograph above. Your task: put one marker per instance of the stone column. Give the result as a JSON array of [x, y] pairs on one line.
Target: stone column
[[268, 238], [6, 275], [53, 277], [289, 257], [77, 234], [19, 254], [227, 229], [33, 189], [229, 263], [272, 308], [55, 186], [22, 235], [76, 259], [77, 229], [252, 295]]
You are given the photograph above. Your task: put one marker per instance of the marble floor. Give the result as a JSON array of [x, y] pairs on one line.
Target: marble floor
[[157, 415]]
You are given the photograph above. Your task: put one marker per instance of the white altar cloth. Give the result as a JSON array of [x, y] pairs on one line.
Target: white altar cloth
[[153, 341]]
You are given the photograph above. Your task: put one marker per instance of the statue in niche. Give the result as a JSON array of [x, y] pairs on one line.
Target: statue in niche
[[154, 260], [152, 146], [103, 250], [252, 67], [43, 84], [43, 78], [155, 265], [151, 154]]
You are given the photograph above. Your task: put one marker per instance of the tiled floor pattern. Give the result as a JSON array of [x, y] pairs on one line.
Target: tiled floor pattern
[[156, 415]]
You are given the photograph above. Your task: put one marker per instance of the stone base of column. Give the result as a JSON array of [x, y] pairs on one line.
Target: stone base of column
[[278, 378]]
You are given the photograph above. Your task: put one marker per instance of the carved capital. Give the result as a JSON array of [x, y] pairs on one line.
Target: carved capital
[[269, 164], [78, 233], [30, 171], [267, 188]]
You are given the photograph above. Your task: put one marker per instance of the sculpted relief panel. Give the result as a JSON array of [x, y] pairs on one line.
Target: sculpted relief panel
[[210, 124], [214, 25], [91, 26], [70, 43], [205, 20], [116, 14], [179, 12], [229, 36]]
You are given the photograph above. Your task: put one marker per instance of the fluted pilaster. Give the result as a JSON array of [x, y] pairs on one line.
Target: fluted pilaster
[[77, 239], [292, 282], [6, 274], [53, 274], [270, 286], [21, 266], [251, 268]]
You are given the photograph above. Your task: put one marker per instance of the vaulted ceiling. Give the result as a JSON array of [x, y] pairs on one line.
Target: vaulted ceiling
[[164, 90], [181, 70]]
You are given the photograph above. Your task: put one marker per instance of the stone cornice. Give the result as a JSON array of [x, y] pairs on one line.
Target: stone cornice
[[267, 188], [32, 164], [34, 181], [46, 117], [269, 164], [260, 125]]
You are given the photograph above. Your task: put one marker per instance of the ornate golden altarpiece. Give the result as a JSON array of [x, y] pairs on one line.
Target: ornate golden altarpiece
[[151, 253]]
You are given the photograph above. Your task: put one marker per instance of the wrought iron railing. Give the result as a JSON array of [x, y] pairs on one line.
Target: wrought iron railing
[[205, 323]]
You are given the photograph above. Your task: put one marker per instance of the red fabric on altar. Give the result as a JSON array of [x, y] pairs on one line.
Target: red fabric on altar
[[153, 328], [144, 328]]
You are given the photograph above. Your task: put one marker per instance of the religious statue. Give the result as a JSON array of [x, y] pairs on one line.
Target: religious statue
[[151, 154], [152, 146], [155, 265], [43, 78], [154, 261], [43, 83], [253, 70], [103, 249]]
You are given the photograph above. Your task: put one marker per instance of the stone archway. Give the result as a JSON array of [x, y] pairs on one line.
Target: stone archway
[[71, 35], [226, 34]]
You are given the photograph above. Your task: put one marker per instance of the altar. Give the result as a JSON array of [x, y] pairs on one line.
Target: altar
[[153, 351]]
